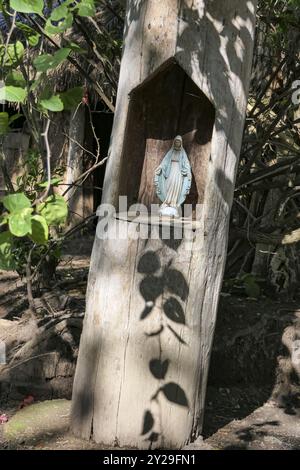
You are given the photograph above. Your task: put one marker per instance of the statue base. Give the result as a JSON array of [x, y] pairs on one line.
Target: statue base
[[168, 211]]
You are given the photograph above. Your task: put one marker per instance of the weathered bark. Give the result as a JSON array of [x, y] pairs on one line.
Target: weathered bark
[[133, 388], [74, 165]]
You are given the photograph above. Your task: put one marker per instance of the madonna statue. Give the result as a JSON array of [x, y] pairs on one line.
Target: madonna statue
[[173, 179]]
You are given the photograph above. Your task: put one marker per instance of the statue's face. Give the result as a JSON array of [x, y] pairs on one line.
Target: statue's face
[[177, 144]]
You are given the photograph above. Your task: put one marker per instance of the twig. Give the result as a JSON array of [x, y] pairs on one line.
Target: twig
[[85, 174], [48, 163], [31, 302]]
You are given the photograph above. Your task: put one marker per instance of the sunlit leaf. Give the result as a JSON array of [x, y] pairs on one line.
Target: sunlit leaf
[[20, 222], [13, 94], [60, 26], [53, 103], [15, 202], [13, 53], [53, 182], [59, 13], [54, 209], [86, 8], [28, 6]]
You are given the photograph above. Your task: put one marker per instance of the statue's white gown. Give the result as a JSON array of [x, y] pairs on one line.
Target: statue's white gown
[[174, 182]]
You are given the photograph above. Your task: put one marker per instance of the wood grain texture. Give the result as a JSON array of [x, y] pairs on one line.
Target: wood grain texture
[[118, 383]]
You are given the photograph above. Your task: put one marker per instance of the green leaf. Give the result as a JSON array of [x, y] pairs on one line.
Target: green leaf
[[4, 127], [59, 13], [40, 231], [86, 8], [14, 118], [59, 28], [19, 222], [16, 202], [72, 97], [6, 258], [28, 6], [46, 62], [13, 94], [31, 35], [54, 182], [54, 209], [13, 53], [76, 48], [54, 103], [15, 78], [4, 219], [43, 62]]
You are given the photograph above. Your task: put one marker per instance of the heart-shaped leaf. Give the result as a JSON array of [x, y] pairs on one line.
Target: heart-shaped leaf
[[46, 62], [174, 310], [159, 368], [176, 283], [151, 287], [15, 202], [40, 231], [19, 222], [72, 97], [149, 263], [148, 422], [53, 103], [12, 94], [54, 209], [28, 6], [174, 393]]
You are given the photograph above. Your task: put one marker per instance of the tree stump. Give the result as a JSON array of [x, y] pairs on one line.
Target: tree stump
[[151, 303]]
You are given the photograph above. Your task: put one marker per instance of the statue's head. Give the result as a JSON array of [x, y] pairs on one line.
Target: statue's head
[[177, 144]]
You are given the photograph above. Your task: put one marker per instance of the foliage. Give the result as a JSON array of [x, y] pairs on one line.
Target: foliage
[[267, 195], [27, 224], [38, 39]]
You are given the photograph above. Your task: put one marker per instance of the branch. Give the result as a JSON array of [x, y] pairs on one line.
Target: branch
[[31, 302], [286, 238], [48, 162], [85, 174]]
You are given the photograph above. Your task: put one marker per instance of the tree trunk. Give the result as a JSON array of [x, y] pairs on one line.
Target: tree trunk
[[151, 304], [74, 165]]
